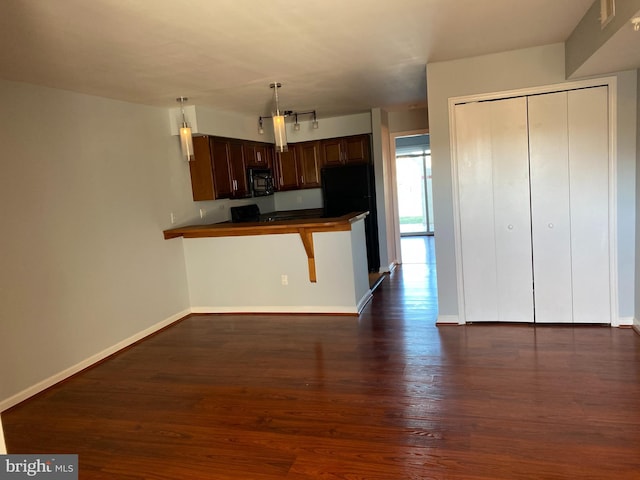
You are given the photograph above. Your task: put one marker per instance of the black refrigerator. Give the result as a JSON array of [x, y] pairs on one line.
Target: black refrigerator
[[351, 188]]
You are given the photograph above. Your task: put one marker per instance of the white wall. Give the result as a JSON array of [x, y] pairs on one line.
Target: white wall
[[588, 36], [87, 186], [384, 188], [298, 199], [243, 274], [210, 121], [637, 272], [408, 120], [506, 71]]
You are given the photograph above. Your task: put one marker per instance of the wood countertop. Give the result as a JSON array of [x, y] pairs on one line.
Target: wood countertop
[[304, 226], [273, 227]]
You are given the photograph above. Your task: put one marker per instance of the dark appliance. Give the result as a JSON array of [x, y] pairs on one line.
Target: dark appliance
[[245, 213], [260, 181], [351, 188]]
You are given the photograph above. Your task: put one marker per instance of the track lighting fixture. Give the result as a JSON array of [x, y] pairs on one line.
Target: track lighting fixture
[[278, 116]]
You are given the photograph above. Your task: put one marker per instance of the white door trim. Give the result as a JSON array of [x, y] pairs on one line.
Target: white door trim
[[396, 214], [611, 83]]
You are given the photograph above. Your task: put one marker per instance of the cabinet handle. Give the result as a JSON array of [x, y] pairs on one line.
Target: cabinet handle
[[259, 157], [302, 179]]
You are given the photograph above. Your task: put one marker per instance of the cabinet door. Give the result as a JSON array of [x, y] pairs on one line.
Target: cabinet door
[[495, 229], [239, 182], [223, 185], [332, 152], [356, 149], [308, 158], [589, 198], [256, 155], [550, 217], [262, 157], [201, 170], [287, 169]]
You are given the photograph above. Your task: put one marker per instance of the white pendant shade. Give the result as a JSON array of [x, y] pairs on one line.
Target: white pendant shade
[[186, 142], [280, 133]]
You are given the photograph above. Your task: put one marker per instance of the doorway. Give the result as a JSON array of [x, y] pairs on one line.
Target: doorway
[[415, 185]]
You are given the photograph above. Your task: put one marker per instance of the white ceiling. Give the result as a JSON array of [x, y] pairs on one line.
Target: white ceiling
[[335, 56]]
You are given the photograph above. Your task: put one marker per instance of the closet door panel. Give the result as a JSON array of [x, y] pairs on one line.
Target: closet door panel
[[589, 197], [475, 185], [550, 219], [492, 161], [512, 227]]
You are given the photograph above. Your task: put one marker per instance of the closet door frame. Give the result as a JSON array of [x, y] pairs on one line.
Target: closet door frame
[[611, 83]]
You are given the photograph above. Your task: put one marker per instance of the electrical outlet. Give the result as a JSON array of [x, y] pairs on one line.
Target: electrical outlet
[[173, 218], [203, 213], [284, 279]]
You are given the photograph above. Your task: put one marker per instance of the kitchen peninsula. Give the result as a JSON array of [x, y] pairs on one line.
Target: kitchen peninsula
[[299, 265]]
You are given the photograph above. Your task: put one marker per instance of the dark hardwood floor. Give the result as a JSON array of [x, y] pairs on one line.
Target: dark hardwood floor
[[381, 397]]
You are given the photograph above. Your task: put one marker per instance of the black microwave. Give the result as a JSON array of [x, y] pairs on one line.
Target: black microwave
[[260, 181]]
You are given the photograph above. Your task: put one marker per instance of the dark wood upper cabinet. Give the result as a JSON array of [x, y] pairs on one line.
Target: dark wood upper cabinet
[[346, 150], [218, 169], [238, 170], [309, 161], [287, 169], [332, 152], [223, 185], [201, 170], [258, 154], [299, 167], [357, 149]]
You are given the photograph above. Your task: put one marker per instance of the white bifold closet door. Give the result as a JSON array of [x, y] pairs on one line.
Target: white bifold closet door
[[569, 155], [533, 188], [495, 225]]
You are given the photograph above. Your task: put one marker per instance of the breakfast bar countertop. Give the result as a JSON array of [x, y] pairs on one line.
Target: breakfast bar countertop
[[273, 224]]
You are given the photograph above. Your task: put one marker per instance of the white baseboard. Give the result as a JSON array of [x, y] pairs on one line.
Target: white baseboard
[[58, 377], [302, 309], [364, 300], [448, 320], [392, 266], [622, 322]]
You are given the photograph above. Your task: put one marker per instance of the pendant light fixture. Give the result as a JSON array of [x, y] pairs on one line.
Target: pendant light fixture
[[279, 128], [186, 139], [278, 117]]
